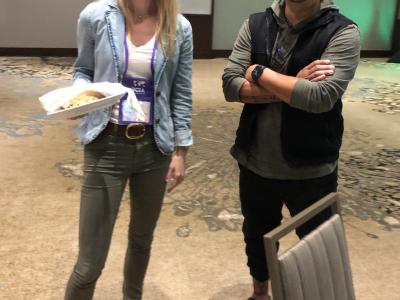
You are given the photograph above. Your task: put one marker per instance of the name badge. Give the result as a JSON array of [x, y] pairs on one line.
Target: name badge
[[128, 115], [144, 91]]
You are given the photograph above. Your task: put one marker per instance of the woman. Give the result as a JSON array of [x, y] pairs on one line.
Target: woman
[[147, 46]]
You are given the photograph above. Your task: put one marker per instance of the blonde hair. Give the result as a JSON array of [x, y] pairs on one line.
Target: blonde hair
[[166, 12]]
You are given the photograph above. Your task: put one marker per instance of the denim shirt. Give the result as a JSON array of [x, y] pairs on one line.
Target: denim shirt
[[101, 58]]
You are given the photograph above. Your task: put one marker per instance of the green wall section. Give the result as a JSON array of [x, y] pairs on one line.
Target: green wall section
[[374, 17]]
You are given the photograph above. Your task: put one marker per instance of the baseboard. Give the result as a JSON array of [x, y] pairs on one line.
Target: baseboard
[[375, 53], [202, 54], [221, 53], [364, 53], [72, 52], [59, 52]]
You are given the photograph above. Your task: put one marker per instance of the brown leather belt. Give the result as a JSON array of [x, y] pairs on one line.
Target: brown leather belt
[[133, 131]]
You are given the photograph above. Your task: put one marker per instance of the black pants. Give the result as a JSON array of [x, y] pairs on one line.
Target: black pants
[[262, 201]]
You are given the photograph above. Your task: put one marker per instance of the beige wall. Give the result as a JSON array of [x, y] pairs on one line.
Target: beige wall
[[228, 18], [52, 23], [39, 23], [197, 7]]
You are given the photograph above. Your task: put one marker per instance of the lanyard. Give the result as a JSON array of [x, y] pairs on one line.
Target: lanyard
[[143, 88]]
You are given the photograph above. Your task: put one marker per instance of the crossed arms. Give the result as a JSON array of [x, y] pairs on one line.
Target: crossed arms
[[316, 88]]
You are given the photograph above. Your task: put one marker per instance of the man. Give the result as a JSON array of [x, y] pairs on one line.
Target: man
[[290, 67]]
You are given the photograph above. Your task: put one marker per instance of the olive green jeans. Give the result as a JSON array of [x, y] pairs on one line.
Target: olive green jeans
[[109, 162]]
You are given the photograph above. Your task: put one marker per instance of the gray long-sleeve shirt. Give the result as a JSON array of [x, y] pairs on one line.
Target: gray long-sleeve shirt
[[266, 158]]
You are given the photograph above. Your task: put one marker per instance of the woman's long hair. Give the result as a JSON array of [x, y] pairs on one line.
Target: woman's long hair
[[166, 12]]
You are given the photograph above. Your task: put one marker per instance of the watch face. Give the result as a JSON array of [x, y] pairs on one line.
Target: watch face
[[256, 74]]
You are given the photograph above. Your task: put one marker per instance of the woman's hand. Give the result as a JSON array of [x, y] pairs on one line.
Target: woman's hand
[[176, 172], [317, 70]]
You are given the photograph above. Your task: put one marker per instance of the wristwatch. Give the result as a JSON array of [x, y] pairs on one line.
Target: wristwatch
[[257, 72]]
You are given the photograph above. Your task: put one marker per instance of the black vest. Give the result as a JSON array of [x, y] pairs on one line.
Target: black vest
[[307, 139]]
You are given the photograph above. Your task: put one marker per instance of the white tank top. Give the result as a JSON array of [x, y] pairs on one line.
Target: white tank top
[[139, 65]]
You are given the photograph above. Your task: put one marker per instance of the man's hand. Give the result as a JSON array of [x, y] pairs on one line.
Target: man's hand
[[282, 86], [252, 93], [317, 70], [249, 71], [176, 172]]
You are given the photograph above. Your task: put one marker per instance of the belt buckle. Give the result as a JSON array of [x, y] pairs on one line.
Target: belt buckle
[[135, 125]]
